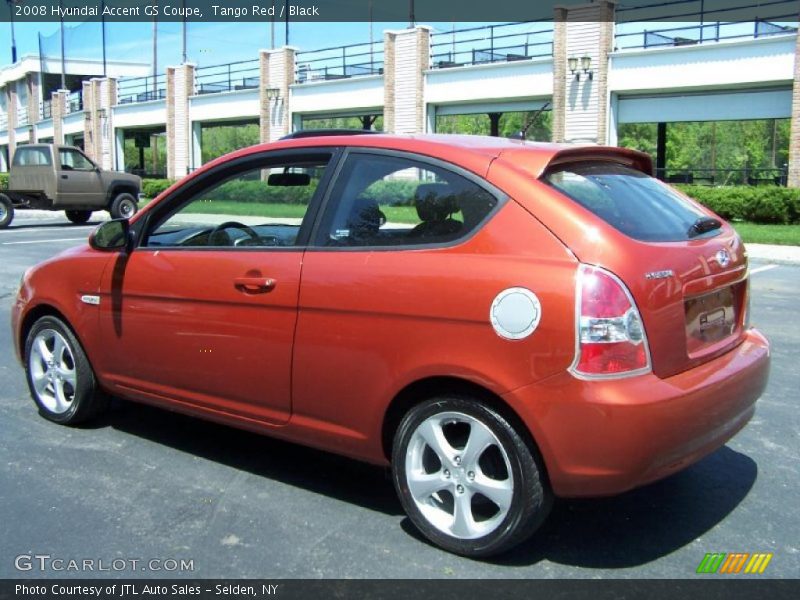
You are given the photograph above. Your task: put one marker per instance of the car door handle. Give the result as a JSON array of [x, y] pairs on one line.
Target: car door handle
[[65, 177], [254, 285]]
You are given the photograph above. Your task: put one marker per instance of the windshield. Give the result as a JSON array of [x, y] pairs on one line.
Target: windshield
[[636, 204]]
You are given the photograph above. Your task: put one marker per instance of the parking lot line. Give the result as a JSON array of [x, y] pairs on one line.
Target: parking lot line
[[764, 268], [80, 239]]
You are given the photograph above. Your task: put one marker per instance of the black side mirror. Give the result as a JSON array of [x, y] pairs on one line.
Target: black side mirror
[[112, 235]]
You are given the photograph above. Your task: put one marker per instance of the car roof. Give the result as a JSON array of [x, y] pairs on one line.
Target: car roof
[[472, 152]]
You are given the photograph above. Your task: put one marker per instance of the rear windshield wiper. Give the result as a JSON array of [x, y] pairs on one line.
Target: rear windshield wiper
[[703, 225]]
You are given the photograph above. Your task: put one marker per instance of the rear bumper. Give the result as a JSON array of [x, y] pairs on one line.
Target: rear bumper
[[605, 437]]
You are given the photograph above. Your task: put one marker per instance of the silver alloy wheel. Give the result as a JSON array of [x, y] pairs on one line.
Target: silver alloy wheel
[[454, 497], [3, 211], [52, 369], [127, 209]]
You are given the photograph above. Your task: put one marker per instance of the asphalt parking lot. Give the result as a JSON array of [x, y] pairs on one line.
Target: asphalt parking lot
[[146, 484]]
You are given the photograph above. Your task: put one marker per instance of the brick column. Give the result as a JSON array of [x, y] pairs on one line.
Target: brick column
[[180, 85], [87, 93], [32, 84], [170, 109], [264, 104], [58, 107], [559, 74], [580, 104], [406, 57], [794, 138], [388, 81], [99, 95], [107, 97], [277, 69], [606, 45], [11, 113]]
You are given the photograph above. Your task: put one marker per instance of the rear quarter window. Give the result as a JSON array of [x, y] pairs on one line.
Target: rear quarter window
[[632, 202], [32, 157]]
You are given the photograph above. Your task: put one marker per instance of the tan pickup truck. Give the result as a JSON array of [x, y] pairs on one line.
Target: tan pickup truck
[[55, 177]]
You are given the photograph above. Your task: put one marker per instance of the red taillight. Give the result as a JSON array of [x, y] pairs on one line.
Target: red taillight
[[611, 337]]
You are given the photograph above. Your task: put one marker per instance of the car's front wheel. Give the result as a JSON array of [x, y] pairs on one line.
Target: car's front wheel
[[123, 206], [79, 217], [466, 478], [60, 378]]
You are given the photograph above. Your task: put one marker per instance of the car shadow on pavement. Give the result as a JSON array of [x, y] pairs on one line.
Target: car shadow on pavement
[[642, 525], [622, 531], [314, 470]]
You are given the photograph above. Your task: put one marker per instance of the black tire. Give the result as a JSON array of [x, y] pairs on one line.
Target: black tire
[[6, 211], [61, 381], [123, 206], [506, 461], [79, 217]]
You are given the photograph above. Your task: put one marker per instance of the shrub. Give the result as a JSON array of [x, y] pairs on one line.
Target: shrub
[[3, 181], [153, 187], [255, 190], [765, 204], [394, 192]]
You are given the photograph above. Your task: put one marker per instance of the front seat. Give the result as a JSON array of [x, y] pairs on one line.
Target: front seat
[[436, 204]]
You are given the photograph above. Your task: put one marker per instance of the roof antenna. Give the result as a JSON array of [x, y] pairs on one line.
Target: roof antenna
[[522, 133]]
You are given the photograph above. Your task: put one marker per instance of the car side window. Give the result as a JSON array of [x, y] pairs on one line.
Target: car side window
[[72, 160], [260, 207], [383, 200]]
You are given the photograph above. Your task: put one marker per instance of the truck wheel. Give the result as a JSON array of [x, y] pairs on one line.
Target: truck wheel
[[6, 211], [79, 217], [123, 207]]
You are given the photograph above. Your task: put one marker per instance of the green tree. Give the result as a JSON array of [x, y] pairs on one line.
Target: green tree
[[217, 140], [342, 123], [539, 124], [737, 149]]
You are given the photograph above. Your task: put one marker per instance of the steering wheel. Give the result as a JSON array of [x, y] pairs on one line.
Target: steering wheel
[[232, 225]]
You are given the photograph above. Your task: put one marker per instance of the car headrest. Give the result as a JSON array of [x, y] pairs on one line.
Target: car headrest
[[365, 216], [435, 201]]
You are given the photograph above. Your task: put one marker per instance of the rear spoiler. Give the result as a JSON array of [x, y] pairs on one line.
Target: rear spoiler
[[537, 160], [630, 158]]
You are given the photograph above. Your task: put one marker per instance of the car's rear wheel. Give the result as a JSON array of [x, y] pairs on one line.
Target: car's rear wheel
[[60, 378], [6, 211], [79, 217], [123, 206], [466, 478]]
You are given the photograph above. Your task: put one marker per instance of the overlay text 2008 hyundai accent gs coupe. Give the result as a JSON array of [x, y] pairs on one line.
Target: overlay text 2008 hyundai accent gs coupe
[[499, 321]]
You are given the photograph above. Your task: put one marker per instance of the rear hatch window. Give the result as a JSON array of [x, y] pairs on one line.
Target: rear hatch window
[[686, 269], [634, 203]]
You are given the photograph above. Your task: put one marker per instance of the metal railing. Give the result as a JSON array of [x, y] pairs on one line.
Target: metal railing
[[490, 44], [718, 177], [46, 109], [228, 77], [340, 62], [75, 102], [142, 89], [648, 26]]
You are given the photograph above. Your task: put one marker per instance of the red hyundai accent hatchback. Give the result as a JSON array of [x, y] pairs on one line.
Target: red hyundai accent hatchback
[[501, 322]]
